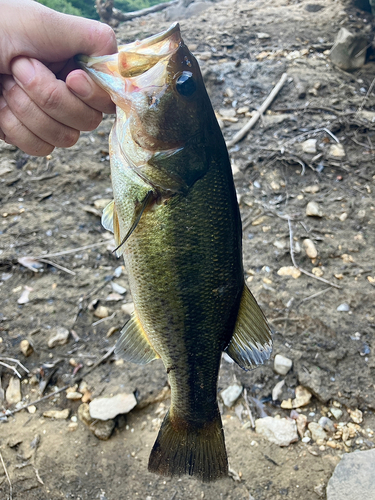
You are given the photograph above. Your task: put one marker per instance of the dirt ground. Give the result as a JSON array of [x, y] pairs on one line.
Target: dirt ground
[[47, 206]]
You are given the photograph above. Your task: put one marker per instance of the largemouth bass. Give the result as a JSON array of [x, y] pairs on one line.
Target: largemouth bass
[[176, 221]]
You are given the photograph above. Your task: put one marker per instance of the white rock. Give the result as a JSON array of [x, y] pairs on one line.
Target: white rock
[[310, 248], [128, 308], [302, 398], [108, 408], [57, 414], [13, 392], [277, 390], [337, 151], [336, 412], [26, 348], [344, 307], [348, 52], [289, 271], [281, 364], [309, 146], [60, 337], [101, 312], [313, 209], [356, 416], [317, 431], [277, 430], [231, 394], [118, 288]]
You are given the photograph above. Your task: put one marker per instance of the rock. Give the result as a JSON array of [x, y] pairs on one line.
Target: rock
[[310, 248], [319, 490], [287, 404], [73, 426], [31, 409], [289, 271], [349, 50], [327, 424], [336, 412], [277, 430], [312, 189], [74, 395], [353, 478], [277, 390], [84, 414], [103, 430], [102, 203], [60, 337], [128, 308], [317, 271], [26, 348], [13, 392], [108, 408], [356, 416], [118, 288], [302, 398], [313, 209], [344, 307], [57, 414], [312, 380], [317, 432], [366, 115], [231, 394], [337, 151], [309, 146], [343, 217], [301, 422], [101, 312], [281, 364]]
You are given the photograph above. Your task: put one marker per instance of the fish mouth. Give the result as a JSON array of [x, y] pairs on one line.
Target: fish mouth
[[135, 58]]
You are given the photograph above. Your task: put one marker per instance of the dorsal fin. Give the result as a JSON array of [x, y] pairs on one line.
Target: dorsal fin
[[251, 343], [133, 344]]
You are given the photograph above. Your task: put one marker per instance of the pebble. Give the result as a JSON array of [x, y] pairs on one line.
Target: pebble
[[301, 422], [128, 308], [60, 337], [73, 426], [75, 396], [353, 478], [313, 209], [312, 189], [349, 50], [101, 312], [309, 146], [108, 408], [336, 412], [302, 398], [343, 217], [13, 392], [31, 409], [281, 364], [344, 307], [356, 416], [101, 429], [279, 431], [26, 348], [231, 394], [118, 288], [310, 248], [306, 439], [317, 431], [337, 151], [289, 271], [277, 390], [317, 271], [57, 414], [327, 424]]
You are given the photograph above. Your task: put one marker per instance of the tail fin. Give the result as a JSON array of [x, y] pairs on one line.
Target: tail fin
[[185, 449]]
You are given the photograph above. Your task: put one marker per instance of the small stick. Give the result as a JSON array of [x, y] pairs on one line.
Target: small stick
[[65, 269], [249, 125], [72, 250], [248, 409], [316, 294], [300, 268], [8, 478], [13, 360], [104, 319], [10, 368], [366, 96]]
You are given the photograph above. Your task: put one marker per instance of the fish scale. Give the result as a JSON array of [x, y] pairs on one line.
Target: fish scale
[[177, 223]]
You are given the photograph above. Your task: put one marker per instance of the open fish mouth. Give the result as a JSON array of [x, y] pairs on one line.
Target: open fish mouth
[[136, 58]]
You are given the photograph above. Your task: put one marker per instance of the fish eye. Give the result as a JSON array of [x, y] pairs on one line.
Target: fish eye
[[185, 84]]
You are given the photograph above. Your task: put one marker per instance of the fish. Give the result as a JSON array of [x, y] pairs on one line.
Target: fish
[[176, 221]]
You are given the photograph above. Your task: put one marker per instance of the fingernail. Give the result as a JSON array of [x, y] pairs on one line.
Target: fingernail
[[8, 82], [23, 70], [81, 87]]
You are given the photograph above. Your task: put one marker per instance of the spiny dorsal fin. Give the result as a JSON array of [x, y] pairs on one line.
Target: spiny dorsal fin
[[251, 343], [133, 344]]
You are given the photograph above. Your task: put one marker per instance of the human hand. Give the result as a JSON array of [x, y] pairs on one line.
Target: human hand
[[44, 101]]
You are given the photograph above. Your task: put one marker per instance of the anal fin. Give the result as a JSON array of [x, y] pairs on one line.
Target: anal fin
[[251, 343], [133, 344]]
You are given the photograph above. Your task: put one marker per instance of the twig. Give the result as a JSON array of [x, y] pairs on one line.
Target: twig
[[10, 368], [127, 16], [366, 96], [104, 319], [37, 476], [8, 478], [13, 360], [65, 269], [248, 408], [300, 268], [316, 294], [249, 125], [72, 250]]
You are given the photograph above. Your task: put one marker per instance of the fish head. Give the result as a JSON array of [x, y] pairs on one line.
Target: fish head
[[160, 96]]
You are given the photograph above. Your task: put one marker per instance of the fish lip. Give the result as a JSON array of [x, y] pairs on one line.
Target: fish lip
[[156, 42]]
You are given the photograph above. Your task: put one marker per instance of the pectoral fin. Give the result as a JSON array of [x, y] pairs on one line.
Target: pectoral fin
[[251, 343], [110, 222], [133, 344]]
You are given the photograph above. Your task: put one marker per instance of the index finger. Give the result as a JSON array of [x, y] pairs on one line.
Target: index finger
[[52, 95]]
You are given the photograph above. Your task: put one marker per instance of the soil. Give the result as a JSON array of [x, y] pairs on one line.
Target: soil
[[47, 206]]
